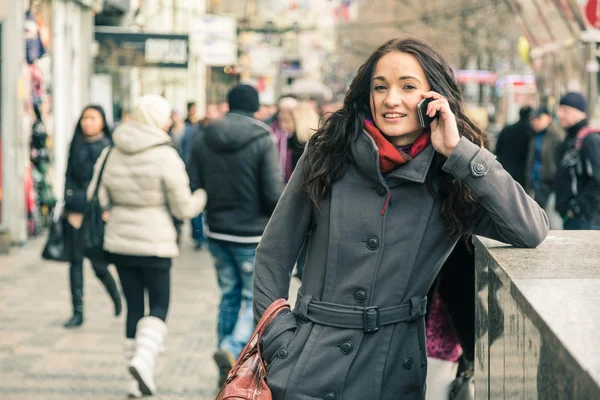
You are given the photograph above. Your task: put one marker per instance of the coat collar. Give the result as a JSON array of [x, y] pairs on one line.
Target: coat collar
[[366, 157]]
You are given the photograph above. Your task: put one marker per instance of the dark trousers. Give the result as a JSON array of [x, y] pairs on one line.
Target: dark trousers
[[76, 273], [136, 281]]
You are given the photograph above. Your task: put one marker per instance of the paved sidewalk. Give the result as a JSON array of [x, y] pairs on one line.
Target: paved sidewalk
[[39, 359]]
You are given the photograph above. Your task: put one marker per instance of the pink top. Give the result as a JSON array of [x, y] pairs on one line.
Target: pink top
[[441, 340]]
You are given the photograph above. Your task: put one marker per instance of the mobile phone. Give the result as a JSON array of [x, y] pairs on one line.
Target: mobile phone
[[425, 119]]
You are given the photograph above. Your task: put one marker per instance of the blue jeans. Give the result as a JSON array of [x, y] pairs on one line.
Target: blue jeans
[[198, 230], [235, 269]]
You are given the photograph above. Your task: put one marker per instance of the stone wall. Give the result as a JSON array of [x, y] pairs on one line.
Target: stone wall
[[537, 318]]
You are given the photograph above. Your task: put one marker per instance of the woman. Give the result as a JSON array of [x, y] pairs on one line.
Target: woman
[[92, 135], [305, 122], [143, 187], [385, 201], [283, 125]]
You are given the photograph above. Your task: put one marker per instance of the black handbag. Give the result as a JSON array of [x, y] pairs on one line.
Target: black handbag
[[57, 247], [92, 227], [463, 387]]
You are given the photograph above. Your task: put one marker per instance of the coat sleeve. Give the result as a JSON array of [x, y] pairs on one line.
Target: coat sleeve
[[103, 195], [507, 214], [271, 176], [281, 244], [588, 198], [182, 203], [74, 195]]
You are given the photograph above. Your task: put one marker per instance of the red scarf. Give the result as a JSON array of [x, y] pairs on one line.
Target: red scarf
[[389, 155]]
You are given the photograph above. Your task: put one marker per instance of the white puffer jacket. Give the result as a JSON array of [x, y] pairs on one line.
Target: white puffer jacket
[[143, 186]]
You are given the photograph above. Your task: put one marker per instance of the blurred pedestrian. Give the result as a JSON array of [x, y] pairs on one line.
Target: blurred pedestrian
[[512, 146], [212, 112], [577, 180], [194, 130], [143, 187], [304, 123], [493, 130], [92, 135], [541, 162], [192, 113], [236, 163], [329, 108], [223, 108], [282, 125], [177, 128], [385, 201], [263, 113]]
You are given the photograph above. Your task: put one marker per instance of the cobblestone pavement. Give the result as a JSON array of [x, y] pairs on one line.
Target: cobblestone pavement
[[40, 360]]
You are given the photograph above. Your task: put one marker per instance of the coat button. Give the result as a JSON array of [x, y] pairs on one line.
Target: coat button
[[479, 168], [282, 353], [346, 348], [360, 296], [408, 363], [329, 396], [372, 243], [381, 191]]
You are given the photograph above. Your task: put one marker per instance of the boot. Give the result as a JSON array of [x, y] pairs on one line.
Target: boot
[[76, 280], [149, 340], [133, 388], [113, 291]]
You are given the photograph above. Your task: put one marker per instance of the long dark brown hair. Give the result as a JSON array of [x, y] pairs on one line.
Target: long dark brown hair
[[328, 153]]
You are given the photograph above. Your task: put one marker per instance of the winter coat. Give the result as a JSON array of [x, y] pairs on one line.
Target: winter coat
[[80, 169], [368, 249], [144, 185], [235, 161], [552, 139], [577, 181], [512, 150]]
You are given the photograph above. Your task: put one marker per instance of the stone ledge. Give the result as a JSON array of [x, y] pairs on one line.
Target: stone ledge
[[538, 317]]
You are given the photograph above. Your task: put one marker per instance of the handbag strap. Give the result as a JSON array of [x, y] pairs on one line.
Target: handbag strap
[[97, 188], [275, 308]]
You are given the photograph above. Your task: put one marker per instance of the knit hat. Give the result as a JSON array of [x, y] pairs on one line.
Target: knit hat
[[243, 98], [152, 110], [575, 100]]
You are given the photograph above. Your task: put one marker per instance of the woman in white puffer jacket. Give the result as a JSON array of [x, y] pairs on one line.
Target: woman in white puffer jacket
[[144, 186]]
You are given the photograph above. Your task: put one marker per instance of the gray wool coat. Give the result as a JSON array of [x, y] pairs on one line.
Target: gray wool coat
[[380, 243]]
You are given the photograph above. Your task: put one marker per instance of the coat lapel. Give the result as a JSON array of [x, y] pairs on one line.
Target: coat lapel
[[416, 169], [366, 157]]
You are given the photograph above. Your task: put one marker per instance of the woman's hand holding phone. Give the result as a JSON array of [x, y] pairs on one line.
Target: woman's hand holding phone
[[444, 130]]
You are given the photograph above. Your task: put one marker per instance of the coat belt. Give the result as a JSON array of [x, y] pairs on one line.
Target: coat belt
[[369, 319]]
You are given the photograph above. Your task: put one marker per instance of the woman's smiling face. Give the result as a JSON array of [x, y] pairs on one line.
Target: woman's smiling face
[[398, 81]]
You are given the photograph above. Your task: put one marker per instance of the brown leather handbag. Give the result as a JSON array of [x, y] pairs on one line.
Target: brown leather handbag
[[247, 380]]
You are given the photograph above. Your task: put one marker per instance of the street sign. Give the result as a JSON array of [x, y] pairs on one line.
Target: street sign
[[118, 48], [592, 13]]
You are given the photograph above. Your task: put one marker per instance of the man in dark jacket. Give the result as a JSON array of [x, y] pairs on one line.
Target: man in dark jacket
[[236, 162], [513, 146], [578, 172]]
